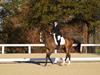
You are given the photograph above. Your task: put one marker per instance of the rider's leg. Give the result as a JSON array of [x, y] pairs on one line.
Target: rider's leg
[[58, 41], [58, 47]]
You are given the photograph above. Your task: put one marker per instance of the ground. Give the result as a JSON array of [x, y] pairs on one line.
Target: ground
[[75, 68], [78, 68]]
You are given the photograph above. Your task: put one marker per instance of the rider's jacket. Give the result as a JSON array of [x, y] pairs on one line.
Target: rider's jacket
[[56, 30]]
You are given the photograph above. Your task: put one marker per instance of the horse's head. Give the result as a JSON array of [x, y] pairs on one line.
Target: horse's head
[[48, 31], [48, 38]]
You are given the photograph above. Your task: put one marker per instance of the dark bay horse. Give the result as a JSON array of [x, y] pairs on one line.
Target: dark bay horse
[[50, 46]]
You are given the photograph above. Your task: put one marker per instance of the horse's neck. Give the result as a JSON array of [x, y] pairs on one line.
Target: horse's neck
[[49, 39]]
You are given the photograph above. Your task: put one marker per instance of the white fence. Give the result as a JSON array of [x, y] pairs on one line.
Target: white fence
[[38, 45], [83, 45], [20, 45], [42, 45]]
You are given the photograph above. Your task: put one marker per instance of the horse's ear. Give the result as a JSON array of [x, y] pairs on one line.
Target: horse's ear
[[50, 23]]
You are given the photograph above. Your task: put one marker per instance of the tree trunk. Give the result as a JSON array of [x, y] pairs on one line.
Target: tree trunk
[[92, 41], [85, 36]]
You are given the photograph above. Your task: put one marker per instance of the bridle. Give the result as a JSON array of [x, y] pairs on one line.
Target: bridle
[[49, 33]]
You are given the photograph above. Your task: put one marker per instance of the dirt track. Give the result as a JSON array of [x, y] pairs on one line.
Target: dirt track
[[76, 68], [86, 68]]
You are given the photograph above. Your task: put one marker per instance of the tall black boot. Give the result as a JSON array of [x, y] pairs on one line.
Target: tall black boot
[[58, 46]]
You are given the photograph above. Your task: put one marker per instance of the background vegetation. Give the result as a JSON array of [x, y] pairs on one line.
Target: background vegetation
[[24, 19]]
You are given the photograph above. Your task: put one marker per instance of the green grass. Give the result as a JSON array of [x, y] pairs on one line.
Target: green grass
[[98, 51]]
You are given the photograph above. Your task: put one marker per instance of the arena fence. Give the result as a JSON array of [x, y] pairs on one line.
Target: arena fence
[[42, 45], [20, 45], [85, 45], [29, 46], [38, 45]]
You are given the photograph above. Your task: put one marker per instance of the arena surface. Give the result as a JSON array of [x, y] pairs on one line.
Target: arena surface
[[22, 68], [79, 68]]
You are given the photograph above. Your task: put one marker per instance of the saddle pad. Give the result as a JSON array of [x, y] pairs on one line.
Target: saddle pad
[[62, 40]]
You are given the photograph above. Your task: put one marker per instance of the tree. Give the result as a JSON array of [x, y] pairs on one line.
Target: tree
[[38, 13]]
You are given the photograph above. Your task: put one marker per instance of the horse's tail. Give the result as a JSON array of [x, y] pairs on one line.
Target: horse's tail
[[77, 48]]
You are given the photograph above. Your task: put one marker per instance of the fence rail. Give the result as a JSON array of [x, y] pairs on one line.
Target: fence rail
[[20, 45], [83, 45], [37, 45]]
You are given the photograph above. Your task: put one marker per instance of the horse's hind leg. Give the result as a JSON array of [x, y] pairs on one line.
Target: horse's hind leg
[[67, 56]]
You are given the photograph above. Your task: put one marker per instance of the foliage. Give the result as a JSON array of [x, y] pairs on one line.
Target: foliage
[[39, 13], [42, 12], [12, 6]]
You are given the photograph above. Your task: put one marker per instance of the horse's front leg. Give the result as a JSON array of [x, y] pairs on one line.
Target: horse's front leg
[[48, 57], [48, 54], [46, 60]]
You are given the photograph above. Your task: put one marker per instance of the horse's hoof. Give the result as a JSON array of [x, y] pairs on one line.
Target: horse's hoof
[[68, 63], [52, 63], [63, 63], [59, 63], [45, 65]]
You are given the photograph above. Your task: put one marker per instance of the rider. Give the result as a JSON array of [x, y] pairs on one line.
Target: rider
[[57, 33]]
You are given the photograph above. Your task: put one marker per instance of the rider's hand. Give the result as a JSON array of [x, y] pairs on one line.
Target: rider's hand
[[53, 33], [50, 33]]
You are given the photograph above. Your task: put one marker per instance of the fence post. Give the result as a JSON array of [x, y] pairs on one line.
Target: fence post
[[81, 48], [3, 50], [29, 49]]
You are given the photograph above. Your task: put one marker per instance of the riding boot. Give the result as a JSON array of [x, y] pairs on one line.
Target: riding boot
[[58, 46]]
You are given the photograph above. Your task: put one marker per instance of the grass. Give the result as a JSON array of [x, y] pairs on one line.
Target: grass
[[98, 51]]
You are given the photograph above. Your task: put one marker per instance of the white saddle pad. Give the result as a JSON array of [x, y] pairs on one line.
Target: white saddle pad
[[62, 40]]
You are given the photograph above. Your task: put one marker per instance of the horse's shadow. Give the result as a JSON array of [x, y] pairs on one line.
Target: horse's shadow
[[37, 61]]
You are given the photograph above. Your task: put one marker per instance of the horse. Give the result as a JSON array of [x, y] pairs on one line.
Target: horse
[[50, 46]]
